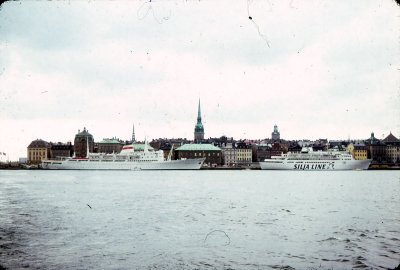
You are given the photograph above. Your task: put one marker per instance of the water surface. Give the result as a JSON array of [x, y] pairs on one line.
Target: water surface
[[199, 219]]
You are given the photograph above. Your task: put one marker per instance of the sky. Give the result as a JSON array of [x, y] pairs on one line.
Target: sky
[[317, 69]]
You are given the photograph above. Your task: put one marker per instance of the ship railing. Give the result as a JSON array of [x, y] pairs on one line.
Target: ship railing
[[312, 158]]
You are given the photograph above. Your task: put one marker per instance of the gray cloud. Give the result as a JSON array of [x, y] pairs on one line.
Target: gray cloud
[[331, 67]]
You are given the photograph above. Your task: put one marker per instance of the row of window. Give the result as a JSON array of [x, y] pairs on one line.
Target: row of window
[[37, 155], [205, 154]]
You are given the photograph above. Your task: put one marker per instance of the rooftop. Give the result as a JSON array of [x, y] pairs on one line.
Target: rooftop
[[39, 143], [83, 133], [391, 139]]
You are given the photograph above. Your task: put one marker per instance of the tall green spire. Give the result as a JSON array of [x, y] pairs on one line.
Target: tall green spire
[[199, 129], [199, 114]]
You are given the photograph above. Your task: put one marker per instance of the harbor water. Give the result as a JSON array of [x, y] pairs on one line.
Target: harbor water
[[199, 219]]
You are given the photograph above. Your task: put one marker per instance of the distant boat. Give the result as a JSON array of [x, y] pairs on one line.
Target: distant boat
[[141, 158], [309, 160]]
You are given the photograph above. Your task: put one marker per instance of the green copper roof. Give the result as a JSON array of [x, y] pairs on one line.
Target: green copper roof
[[199, 112], [199, 127], [198, 147]]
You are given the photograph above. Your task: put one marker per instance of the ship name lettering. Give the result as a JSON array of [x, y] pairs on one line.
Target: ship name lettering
[[308, 167]]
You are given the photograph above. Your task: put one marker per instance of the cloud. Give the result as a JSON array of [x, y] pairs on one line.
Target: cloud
[[330, 70]]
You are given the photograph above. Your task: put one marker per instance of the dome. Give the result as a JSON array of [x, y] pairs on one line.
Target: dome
[[84, 133]]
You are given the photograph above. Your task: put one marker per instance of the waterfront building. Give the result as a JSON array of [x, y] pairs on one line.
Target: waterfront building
[[37, 151], [262, 152], [340, 145], [275, 135], [220, 142], [198, 129], [392, 148], [167, 144], [276, 149], [244, 153], [376, 149], [110, 146], [82, 139], [305, 143], [320, 145], [266, 151], [167, 149], [237, 154], [294, 147], [229, 155], [61, 150], [212, 153], [358, 151], [350, 148]]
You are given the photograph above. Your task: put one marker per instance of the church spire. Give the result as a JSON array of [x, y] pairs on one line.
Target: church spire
[[199, 114], [199, 129], [133, 133]]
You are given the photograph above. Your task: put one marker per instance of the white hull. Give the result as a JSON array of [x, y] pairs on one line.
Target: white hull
[[84, 164], [315, 165]]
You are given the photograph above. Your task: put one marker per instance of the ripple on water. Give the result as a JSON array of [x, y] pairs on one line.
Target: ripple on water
[[283, 267], [174, 216], [329, 239]]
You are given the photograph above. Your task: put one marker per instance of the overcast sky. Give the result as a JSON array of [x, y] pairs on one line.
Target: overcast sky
[[317, 69]]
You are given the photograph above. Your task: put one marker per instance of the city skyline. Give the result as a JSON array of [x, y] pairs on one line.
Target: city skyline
[[316, 69]]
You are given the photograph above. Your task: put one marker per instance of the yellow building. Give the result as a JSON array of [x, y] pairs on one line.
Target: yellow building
[[350, 148], [37, 151], [244, 156], [360, 151]]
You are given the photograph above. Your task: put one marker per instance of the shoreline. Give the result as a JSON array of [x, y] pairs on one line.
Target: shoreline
[[371, 168]]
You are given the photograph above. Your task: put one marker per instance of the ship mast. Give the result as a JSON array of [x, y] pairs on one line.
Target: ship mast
[[87, 147], [170, 153], [145, 150]]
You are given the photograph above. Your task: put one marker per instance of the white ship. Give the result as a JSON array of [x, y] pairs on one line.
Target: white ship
[[308, 160], [127, 159]]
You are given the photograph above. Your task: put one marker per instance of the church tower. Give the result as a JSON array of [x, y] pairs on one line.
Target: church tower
[[133, 134], [275, 135], [198, 129]]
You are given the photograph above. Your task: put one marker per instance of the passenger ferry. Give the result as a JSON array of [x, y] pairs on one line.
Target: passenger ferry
[[310, 160], [127, 159]]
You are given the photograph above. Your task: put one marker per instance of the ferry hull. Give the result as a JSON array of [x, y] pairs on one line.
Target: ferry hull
[[187, 164], [315, 165]]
